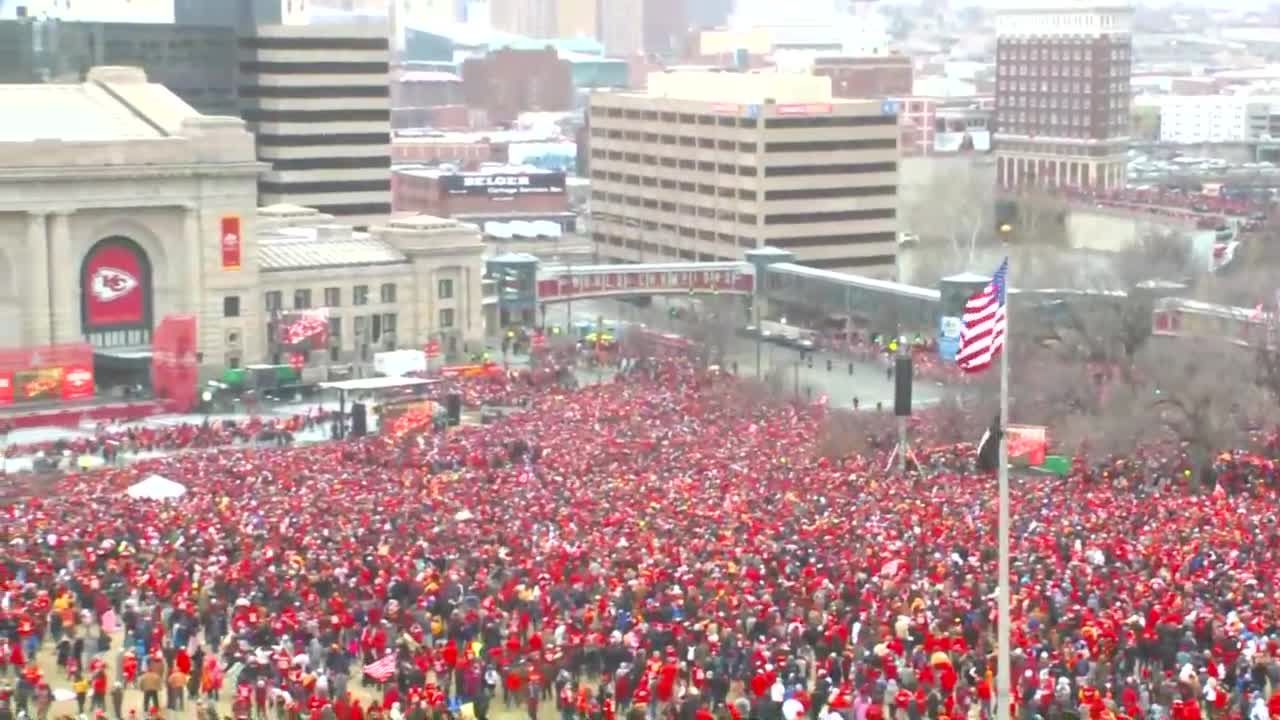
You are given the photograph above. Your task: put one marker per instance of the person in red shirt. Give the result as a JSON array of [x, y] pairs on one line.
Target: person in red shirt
[[511, 686]]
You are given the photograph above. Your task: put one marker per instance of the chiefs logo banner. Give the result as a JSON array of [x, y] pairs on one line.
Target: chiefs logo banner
[[114, 287]]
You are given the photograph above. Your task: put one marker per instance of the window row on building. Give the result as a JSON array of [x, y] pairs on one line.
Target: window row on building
[[1075, 49], [332, 297], [811, 121]]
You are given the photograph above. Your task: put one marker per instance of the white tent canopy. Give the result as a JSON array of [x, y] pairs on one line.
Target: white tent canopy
[[154, 487]]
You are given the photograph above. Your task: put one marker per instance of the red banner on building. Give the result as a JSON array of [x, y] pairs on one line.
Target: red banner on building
[[432, 349], [115, 286], [231, 242], [174, 366], [77, 383], [6, 388]]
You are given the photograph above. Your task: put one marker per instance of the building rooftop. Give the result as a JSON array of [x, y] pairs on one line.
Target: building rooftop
[[1048, 6], [469, 137], [523, 229], [113, 103], [68, 113], [740, 87], [485, 169], [323, 247], [425, 76], [114, 118]]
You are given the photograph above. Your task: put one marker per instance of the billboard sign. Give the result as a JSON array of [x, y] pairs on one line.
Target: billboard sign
[[1028, 443], [38, 384], [490, 184], [77, 383], [949, 337], [231, 242], [116, 285]]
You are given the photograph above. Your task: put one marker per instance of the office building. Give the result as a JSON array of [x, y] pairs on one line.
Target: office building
[[622, 26], [704, 165], [1062, 95], [241, 14], [110, 11], [318, 99], [702, 14], [501, 192], [1192, 119], [578, 19], [197, 63], [534, 18], [874, 76], [666, 27], [507, 82]]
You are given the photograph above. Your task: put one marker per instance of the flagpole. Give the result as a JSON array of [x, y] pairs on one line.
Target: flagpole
[[1004, 684]]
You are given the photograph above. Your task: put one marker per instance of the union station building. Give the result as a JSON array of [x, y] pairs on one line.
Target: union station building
[[121, 205]]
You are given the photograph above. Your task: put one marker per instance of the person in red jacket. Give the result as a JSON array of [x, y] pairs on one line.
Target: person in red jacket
[[640, 697], [667, 681]]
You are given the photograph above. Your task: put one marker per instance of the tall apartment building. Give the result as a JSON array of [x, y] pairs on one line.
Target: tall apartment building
[[1062, 95], [705, 165], [318, 98]]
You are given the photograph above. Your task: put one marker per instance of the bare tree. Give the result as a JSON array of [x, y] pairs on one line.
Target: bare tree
[[1249, 287], [1039, 218], [713, 327], [952, 214], [1102, 309], [847, 432], [1195, 391]]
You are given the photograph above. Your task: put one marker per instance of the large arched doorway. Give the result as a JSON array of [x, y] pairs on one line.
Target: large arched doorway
[[116, 309]]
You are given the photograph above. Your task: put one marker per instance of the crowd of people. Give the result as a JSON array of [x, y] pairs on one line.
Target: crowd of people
[[664, 545], [109, 440]]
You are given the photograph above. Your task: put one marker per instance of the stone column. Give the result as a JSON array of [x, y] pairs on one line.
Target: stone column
[[36, 330], [64, 281], [193, 243]]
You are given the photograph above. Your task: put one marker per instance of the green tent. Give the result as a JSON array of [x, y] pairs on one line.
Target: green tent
[[1056, 464]]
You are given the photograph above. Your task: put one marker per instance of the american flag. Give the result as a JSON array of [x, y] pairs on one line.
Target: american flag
[[985, 322], [382, 670]]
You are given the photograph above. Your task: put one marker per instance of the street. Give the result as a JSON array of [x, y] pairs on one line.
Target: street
[[868, 381]]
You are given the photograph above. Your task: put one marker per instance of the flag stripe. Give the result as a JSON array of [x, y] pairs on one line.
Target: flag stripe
[[382, 670], [983, 324]]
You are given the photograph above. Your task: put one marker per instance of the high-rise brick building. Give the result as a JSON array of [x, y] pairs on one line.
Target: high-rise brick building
[[1062, 94]]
